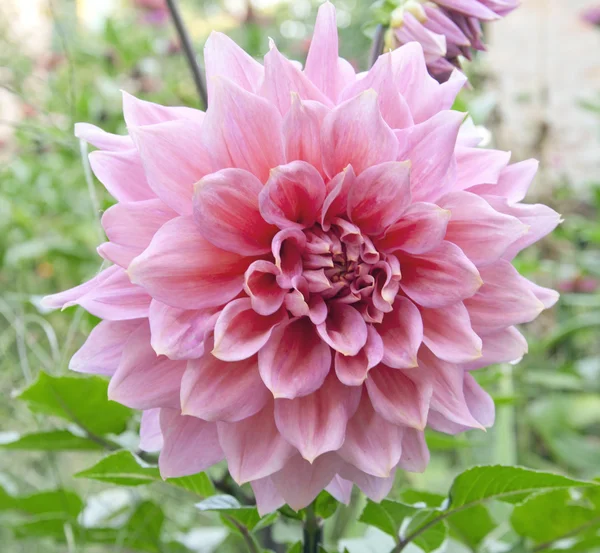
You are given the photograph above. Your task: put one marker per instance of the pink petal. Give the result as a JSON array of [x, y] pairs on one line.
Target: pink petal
[[268, 499], [448, 334], [340, 489], [293, 196], [546, 295], [109, 295], [102, 139], [227, 215], [434, 44], [373, 445], [316, 423], [380, 78], [299, 482], [174, 159], [440, 277], [144, 380], [336, 201], [480, 231], [294, 362], [287, 248], [122, 174], [103, 348], [253, 447], [505, 299], [470, 8], [402, 334], [151, 438], [513, 183], [216, 390], [397, 398], [243, 130], [179, 333], [415, 455], [479, 401], [344, 329], [323, 67], [130, 227], [302, 132], [355, 133], [225, 58], [283, 78], [379, 196], [140, 112], [430, 148], [182, 269], [373, 487], [479, 166], [353, 371], [503, 346], [261, 285], [240, 332], [421, 228], [191, 445]]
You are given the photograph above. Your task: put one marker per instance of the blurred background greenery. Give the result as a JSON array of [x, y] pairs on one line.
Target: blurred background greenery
[[548, 405]]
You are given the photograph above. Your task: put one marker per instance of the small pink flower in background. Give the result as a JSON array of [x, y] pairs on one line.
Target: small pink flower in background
[[592, 15], [155, 11], [446, 29], [305, 275]]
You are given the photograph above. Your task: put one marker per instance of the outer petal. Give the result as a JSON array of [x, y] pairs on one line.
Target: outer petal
[[293, 196], [341, 489], [480, 231], [102, 139], [240, 332], [295, 361], [397, 398], [372, 444], [353, 371], [179, 333], [440, 277], [268, 499], [216, 390], [448, 334], [513, 183], [380, 196], [373, 487], [262, 287], [430, 148], [479, 166], [243, 130], [151, 438], [355, 133], [505, 299], [110, 295], [421, 228], [302, 131], [316, 423], [344, 329], [182, 269], [299, 482], [122, 174], [174, 159], [225, 58], [336, 201], [130, 227], [415, 455], [138, 112], [253, 447], [103, 348], [402, 334], [503, 346], [282, 78], [191, 445], [227, 215], [144, 380]]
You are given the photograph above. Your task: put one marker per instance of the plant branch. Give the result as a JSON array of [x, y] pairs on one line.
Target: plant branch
[[377, 47], [313, 531], [570, 534], [246, 535], [188, 50]]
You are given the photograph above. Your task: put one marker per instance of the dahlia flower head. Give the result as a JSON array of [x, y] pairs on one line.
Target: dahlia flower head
[[305, 275], [447, 29]]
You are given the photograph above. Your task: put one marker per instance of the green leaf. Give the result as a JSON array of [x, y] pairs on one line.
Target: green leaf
[[551, 516], [55, 440], [64, 504], [122, 468], [388, 515], [472, 526], [325, 505], [81, 400], [296, 548], [232, 513], [434, 537], [126, 469]]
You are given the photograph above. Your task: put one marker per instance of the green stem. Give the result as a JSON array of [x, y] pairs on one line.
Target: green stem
[[313, 531], [377, 47]]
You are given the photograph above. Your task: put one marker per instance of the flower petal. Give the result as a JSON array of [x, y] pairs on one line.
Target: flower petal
[[102, 139], [216, 390], [227, 215], [151, 438], [340, 489], [261, 285], [138, 112], [415, 454], [479, 166], [294, 362], [268, 498], [344, 329], [316, 423], [336, 201], [182, 269], [503, 346], [513, 183], [353, 371], [240, 332], [402, 334], [373, 487]]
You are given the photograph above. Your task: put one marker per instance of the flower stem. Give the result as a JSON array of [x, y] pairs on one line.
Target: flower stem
[[313, 531], [188, 49], [377, 47]]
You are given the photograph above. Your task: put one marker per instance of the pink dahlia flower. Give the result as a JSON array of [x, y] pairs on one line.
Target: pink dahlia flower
[[305, 275], [446, 29]]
